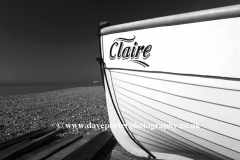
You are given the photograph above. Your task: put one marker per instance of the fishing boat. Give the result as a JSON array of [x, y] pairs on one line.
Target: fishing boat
[[172, 84]]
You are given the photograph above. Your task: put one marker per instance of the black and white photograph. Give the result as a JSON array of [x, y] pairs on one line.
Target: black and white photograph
[[119, 80]]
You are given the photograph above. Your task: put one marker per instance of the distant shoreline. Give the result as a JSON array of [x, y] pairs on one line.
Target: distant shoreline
[[10, 89], [45, 84]]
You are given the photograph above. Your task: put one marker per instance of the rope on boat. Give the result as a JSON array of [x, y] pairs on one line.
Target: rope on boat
[[130, 135], [103, 74]]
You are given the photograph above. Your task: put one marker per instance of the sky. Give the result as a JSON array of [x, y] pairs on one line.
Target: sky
[[55, 41]]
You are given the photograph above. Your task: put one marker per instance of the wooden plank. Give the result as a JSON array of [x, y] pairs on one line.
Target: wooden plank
[[43, 146], [106, 153], [66, 151], [28, 146], [91, 149], [12, 148], [28, 135], [55, 148], [23, 141]]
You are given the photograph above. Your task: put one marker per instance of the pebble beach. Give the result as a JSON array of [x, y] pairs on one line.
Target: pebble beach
[[20, 114]]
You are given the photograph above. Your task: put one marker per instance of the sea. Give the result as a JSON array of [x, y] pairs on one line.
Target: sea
[[28, 88]]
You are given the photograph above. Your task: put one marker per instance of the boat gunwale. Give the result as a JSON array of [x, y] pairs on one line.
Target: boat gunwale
[[184, 18]]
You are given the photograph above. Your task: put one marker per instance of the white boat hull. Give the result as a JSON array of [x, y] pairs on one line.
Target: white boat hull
[[192, 77]]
